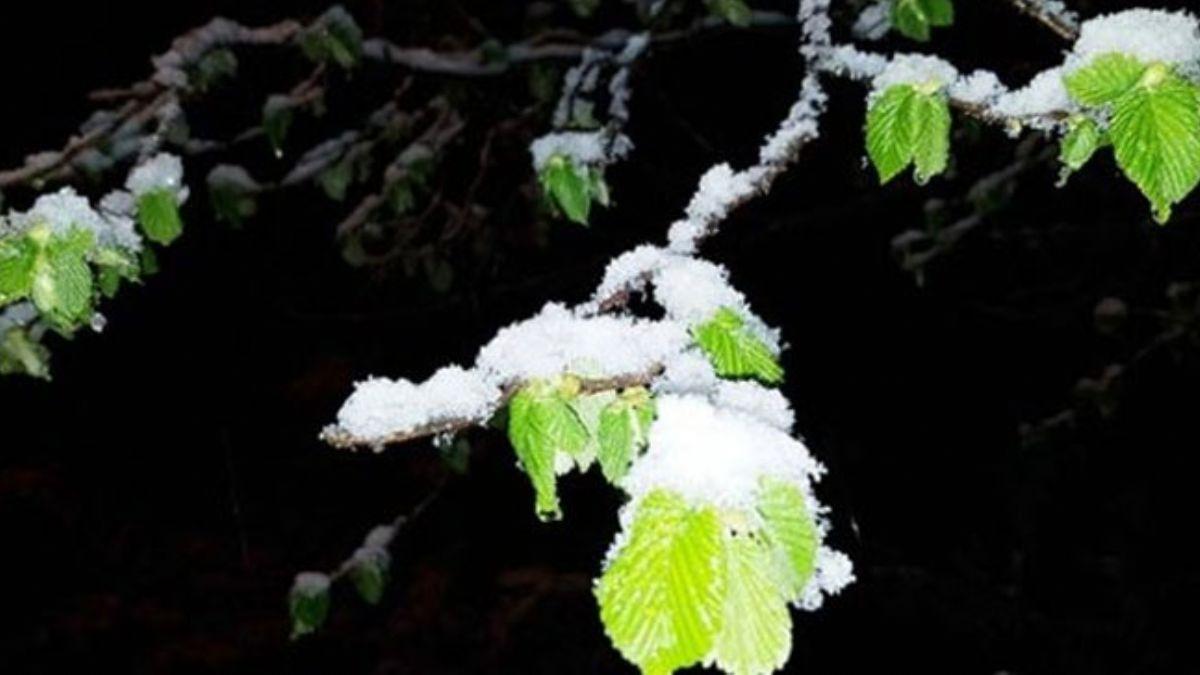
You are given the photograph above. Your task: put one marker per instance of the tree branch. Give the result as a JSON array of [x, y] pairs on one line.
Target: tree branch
[[1055, 21], [340, 439]]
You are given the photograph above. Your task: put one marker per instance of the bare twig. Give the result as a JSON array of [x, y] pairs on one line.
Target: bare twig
[[1037, 9]]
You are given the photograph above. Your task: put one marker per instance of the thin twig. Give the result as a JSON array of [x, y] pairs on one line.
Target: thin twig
[[1052, 20]]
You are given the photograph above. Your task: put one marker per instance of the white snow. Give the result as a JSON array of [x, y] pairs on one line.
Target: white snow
[[66, 209], [585, 148], [630, 271], [311, 583], [801, 125], [163, 171], [716, 457], [559, 341], [914, 69], [768, 405], [847, 61], [720, 190], [980, 87], [16, 316], [691, 290], [1146, 34], [381, 407], [688, 372], [833, 572], [1045, 94]]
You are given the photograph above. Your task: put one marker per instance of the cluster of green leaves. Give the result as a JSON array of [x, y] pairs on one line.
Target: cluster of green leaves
[[1154, 125], [64, 275], [909, 125], [334, 37], [693, 584], [573, 187], [734, 350], [555, 426], [916, 18]]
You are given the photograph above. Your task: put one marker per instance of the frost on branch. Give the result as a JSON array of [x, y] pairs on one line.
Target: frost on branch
[[380, 407]]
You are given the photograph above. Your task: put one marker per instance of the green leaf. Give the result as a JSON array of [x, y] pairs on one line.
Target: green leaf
[[909, 125], [931, 136], [914, 18], [20, 354], [542, 424], [736, 12], [624, 430], [214, 68], [756, 632], [158, 214], [308, 603], [569, 186], [791, 532], [62, 286], [369, 573], [336, 180], [114, 265], [1155, 133], [1083, 138], [18, 261], [335, 36], [1105, 79], [734, 350], [277, 121], [598, 187], [232, 191], [588, 408], [661, 598]]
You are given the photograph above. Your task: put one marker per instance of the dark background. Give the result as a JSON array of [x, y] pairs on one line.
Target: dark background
[[157, 498]]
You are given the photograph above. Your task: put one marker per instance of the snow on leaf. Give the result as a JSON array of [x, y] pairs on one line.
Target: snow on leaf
[[734, 351], [661, 598], [541, 424], [756, 632], [1105, 79], [791, 531], [1155, 134], [308, 603]]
